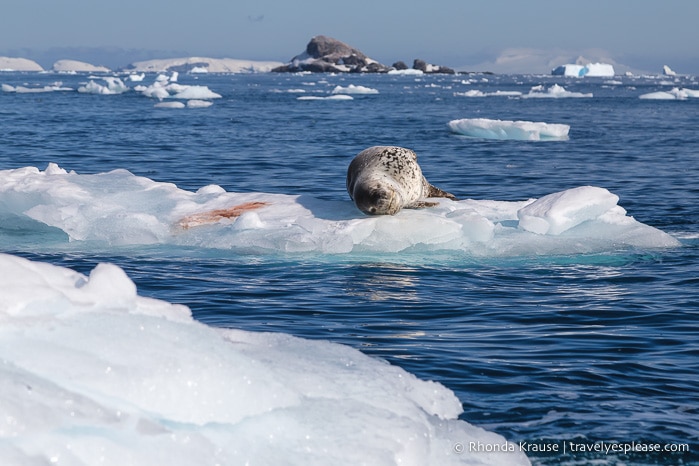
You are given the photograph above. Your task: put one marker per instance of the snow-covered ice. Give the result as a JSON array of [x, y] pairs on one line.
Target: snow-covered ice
[[505, 129], [119, 208], [353, 89], [112, 86], [93, 373], [604, 70], [675, 93], [330, 97], [556, 91]]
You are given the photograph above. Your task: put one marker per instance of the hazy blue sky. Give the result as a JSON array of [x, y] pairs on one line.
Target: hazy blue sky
[[644, 34]]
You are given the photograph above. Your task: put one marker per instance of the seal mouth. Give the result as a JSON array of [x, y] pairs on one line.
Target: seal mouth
[[379, 201]]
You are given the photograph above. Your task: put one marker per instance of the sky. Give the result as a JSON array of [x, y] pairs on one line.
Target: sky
[[473, 35]]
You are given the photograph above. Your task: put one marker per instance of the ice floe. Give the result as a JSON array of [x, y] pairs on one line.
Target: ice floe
[[556, 91], [330, 97], [119, 208], [93, 373], [58, 86], [112, 86], [505, 129], [353, 89], [675, 93]]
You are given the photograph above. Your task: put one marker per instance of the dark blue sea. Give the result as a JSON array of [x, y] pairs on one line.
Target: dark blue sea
[[547, 348]]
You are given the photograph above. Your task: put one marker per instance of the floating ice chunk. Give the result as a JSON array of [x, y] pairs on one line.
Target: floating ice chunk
[[195, 103], [94, 373], [331, 97], [504, 129], [113, 85], [559, 212], [137, 78], [352, 89], [120, 208], [199, 70], [196, 92], [674, 94], [555, 92], [406, 72], [35, 90], [477, 93], [169, 105]]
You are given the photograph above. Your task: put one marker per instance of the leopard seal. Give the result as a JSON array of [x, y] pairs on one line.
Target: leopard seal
[[382, 180]]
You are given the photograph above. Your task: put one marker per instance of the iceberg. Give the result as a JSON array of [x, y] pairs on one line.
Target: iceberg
[[667, 71], [94, 373], [19, 64], [477, 93], [505, 129], [119, 208], [58, 86], [603, 70], [204, 64], [74, 66]]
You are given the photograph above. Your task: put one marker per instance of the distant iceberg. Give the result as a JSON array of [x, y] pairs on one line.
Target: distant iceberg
[[667, 71], [18, 64], [93, 373], [204, 65], [603, 70], [505, 129], [70, 66], [112, 86]]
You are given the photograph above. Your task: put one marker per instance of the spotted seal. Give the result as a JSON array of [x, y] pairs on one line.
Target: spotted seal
[[382, 180]]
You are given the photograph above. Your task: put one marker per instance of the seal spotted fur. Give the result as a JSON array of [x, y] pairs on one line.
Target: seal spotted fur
[[382, 180]]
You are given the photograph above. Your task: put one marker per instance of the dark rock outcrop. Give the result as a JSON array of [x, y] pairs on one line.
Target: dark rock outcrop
[[423, 66], [325, 54]]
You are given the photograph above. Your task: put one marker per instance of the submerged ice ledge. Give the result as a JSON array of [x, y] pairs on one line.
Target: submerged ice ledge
[[92, 373], [119, 208]]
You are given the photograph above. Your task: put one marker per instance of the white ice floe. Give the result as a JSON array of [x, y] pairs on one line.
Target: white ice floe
[[477, 93], [406, 72], [93, 373], [505, 129], [674, 94], [667, 71], [119, 208], [196, 103], [554, 92], [330, 97], [352, 89], [35, 90], [169, 105], [113, 85]]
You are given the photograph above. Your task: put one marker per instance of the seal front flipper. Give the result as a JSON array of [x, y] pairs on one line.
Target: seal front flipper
[[433, 191], [421, 205]]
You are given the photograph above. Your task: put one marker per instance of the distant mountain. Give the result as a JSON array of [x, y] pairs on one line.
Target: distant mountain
[[203, 65]]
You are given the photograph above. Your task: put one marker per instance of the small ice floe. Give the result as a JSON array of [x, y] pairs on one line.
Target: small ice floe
[[505, 129]]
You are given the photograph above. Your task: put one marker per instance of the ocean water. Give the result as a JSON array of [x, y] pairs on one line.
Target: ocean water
[[558, 347]]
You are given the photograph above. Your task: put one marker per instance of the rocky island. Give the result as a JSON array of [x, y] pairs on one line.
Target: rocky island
[[324, 54]]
